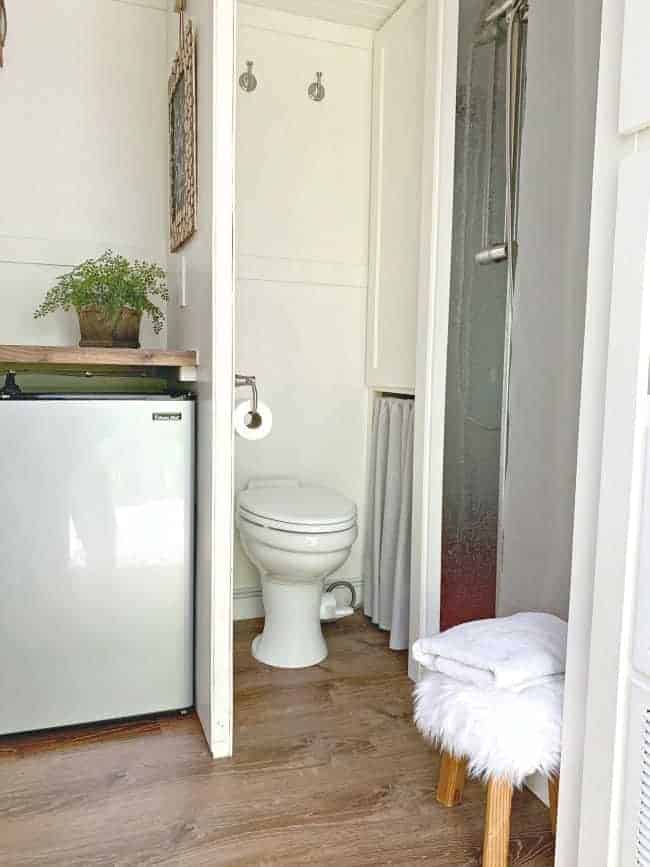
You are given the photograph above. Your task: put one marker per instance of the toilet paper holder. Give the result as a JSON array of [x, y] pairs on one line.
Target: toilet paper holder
[[254, 419]]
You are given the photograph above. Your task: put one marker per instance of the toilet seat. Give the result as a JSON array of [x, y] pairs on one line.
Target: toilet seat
[[296, 536], [298, 509]]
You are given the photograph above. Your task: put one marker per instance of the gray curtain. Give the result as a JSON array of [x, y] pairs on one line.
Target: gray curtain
[[387, 548]]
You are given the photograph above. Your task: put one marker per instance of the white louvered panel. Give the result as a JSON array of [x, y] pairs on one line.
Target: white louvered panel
[[636, 828], [643, 817]]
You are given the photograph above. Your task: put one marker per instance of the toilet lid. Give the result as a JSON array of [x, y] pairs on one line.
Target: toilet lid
[[311, 509]]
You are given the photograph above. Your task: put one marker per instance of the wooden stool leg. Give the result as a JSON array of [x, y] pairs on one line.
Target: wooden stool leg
[[496, 837], [553, 792], [451, 781]]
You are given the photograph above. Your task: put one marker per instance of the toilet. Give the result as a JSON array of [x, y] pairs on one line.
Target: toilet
[[296, 535]]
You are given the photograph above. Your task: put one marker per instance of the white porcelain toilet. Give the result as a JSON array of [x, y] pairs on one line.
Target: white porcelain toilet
[[296, 535]]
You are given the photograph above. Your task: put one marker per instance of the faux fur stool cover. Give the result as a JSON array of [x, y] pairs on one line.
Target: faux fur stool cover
[[502, 733]]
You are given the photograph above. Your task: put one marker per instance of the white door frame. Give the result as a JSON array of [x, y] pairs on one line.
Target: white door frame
[[606, 498], [433, 300], [616, 565], [220, 736], [431, 382], [441, 52]]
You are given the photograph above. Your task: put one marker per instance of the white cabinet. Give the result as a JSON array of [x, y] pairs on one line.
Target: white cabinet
[[635, 93], [398, 112]]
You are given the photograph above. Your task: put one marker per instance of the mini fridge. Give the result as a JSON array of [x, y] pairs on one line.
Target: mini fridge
[[96, 558]]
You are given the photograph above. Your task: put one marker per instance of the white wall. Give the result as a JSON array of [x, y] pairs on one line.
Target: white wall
[[83, 149], [192, 326], [302, 208], [548, 324]]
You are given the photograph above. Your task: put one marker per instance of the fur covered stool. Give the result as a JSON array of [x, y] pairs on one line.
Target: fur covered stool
[[498, 735]]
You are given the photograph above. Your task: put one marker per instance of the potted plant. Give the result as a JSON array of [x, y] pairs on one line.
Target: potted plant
[[110, 295]]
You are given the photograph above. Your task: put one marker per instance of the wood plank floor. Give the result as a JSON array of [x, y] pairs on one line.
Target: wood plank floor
[[328, 770]]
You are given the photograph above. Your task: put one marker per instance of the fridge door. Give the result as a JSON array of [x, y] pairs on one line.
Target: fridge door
[[96, 559]]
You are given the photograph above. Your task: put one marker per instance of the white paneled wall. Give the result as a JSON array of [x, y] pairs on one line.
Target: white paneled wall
[[302, 221], [83, 149], [303, 166]]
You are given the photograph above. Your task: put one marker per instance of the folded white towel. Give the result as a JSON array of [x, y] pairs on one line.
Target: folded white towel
[[503, 652]]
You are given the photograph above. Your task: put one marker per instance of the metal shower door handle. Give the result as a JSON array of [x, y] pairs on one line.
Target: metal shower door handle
[[495, 253]]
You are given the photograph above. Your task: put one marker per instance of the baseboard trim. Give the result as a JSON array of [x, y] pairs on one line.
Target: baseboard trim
[[247, 601]]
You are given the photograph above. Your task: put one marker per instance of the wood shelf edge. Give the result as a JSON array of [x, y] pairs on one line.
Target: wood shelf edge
[[94, 357]]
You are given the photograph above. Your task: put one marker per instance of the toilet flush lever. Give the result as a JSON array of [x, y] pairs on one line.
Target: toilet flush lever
[[253, 419]]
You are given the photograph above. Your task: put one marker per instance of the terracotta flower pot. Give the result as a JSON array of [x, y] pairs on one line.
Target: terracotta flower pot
[[99, 328]]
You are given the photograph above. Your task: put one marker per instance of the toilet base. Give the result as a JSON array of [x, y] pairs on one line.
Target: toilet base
[[292, 636]]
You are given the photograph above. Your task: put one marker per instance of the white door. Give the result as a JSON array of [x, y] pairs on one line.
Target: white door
[[600, 797], [214, 683], [616, 797]]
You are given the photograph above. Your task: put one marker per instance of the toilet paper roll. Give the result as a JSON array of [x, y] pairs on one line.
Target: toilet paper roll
[[242, 421]]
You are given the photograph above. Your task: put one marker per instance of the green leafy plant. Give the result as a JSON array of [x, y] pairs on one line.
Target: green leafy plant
[[109, 283]]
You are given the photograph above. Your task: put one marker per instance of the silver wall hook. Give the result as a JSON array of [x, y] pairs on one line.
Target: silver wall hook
[[316, 90], [247, 80]]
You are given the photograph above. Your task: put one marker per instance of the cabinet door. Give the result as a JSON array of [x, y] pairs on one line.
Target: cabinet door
[[398, 112]]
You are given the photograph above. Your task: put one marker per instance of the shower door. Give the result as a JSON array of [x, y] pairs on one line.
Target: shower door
[[476, 327]]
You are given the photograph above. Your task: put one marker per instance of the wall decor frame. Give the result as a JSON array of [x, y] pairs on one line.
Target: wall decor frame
[[182, 140]]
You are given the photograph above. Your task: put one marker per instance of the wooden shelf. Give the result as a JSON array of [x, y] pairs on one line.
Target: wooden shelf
[[86, 357]]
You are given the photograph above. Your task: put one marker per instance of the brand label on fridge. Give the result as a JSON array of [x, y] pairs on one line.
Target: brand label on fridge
[[167, 416]]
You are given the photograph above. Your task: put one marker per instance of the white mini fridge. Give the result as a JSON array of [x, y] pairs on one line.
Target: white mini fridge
[[96, 558]]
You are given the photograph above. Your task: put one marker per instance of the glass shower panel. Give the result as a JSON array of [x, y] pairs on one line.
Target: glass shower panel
[[476, 328]]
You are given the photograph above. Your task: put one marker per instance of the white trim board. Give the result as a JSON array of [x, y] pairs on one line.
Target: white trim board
[[248, 600], [247, 603], [617, 541], [68, 252], [433, 316], [580, 806], [154, 5], [304, 271], [220, 738]]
